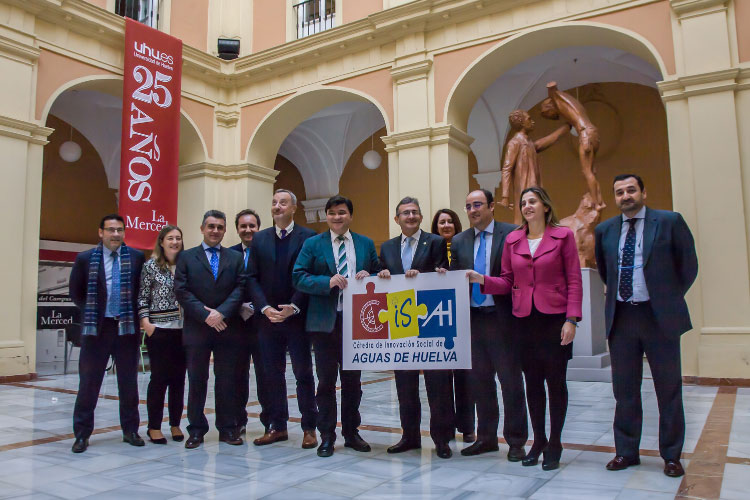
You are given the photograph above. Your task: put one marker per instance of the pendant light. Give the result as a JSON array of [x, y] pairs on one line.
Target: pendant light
[[70, 151], [372, 159]]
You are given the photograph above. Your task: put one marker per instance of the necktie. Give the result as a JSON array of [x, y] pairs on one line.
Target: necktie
[[626, 262], [406, 254], [480, 265], [341, 266], [247, 256], [214, 261], [114, 295], [283, 233]]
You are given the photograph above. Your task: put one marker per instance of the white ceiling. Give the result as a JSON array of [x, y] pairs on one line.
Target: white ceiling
[[525, 85], [321, 145]]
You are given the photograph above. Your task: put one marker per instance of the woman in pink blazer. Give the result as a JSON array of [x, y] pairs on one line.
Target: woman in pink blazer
[[540, 268]]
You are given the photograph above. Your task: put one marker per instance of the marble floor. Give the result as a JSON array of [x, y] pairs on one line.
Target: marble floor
[[36, 462]]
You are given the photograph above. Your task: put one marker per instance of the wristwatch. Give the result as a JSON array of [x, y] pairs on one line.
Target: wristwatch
[[572, 321]]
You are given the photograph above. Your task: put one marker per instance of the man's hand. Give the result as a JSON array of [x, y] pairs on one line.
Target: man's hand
[[441, 270], [221, 326], [286, 310], [215, 319], [384, 274], [337, 281], [246, 311], [475, 277], [361, 275], [411, 273]]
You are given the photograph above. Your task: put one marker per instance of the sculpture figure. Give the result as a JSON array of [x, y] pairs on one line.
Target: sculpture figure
[[561, 103], [520, 165], [582, 223]]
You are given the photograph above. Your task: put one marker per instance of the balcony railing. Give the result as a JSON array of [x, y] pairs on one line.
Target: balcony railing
[[143, 11], [314, 16]]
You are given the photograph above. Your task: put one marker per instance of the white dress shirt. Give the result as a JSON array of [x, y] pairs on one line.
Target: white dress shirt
[[413, 244], [208, 254], [289, 229], [640, 292], [351, 259], [489, 299]]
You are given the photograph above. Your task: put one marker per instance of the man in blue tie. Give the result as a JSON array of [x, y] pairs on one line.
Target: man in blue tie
[[324, 265], [209, 282], [247, 223], [645, 312], [104, 284], [494, 349]]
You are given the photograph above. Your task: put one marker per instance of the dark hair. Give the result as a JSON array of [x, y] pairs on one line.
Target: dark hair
[[340, 200], [622, 177], [487, 194], [217, 214], [242, 213], [453, 215], [406, 201], [550, 219], [158, 254], [111, 217]]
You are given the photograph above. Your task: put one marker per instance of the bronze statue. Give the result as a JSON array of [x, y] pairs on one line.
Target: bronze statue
[[582, 223], [561, 103], [520, 165]]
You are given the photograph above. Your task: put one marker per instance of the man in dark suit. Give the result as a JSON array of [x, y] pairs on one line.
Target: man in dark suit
[[104, 284], [324, 265], [281, 325], [247, 223], [647, 260], [412, 252], [494, 348], [209, 282]]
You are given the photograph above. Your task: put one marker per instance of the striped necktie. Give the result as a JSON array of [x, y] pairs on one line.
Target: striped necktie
[[341, 265]]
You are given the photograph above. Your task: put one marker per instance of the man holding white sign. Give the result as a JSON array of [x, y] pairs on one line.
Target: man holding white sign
[[410, 253]]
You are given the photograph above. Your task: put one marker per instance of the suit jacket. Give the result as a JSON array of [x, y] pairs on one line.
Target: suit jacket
[[195, 288], [431, 252], [462, 255], [670, 266], [312, 275], [551, 279], [260, 265], [79, 279]]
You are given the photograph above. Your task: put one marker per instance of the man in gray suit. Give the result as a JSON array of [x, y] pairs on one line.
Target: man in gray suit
[[494, 350]]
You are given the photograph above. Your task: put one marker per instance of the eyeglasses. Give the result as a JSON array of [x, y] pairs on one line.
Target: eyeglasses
[[476, 205], [409, 212], [112, 230]]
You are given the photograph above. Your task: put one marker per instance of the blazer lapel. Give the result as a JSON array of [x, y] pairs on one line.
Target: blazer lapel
[[359, 251], [394, 250], [612, 248], [650, 228], [497, 239], [421, 251], [223, 258], [547, 244], [328, 252], [201, 256]]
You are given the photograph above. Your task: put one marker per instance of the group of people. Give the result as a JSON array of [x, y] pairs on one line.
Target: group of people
[[280, 290]]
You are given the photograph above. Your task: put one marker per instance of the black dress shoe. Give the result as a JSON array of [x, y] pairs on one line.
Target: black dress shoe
[[479, 447], [356, 443], [621, 463], [469, 437], [551, 458], [80, 445], [516, 453], [161, 440], [673, 468], [133, 439], [405, 444], [230, 437], [443, 450], [193, 442], [326, 447]]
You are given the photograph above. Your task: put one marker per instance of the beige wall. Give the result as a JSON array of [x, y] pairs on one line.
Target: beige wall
[[189, 23]]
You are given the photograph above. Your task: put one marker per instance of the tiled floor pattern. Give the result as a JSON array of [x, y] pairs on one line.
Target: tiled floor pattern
[[36, 462]]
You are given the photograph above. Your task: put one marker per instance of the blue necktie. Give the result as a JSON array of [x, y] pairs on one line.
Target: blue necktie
[[283, 233], [406, 254], [627, 262], [114, 294], [247, 256], [480, 266], [214, 261]]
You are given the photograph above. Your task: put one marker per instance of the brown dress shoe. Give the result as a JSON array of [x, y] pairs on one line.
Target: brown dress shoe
[[230, 437], [309, 440], [270, 437], [622, 463], [673, 468]]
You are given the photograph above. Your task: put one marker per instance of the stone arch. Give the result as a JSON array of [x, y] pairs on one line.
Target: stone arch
[[528, 44]]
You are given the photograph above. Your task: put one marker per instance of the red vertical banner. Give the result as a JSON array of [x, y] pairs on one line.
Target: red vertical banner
[[150, 132]]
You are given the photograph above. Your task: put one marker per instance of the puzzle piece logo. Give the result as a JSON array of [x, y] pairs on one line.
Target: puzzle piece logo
[[403, 314], [441, 319], [366, 324]]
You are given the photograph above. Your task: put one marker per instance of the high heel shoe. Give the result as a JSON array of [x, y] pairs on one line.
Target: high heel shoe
[[532, 458], [161, 440], [552, 458], [177, 434]]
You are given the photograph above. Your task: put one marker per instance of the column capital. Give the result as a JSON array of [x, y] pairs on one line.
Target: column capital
[[227, 117], [411, 71], [228, 172], [704, 83], [24, 130], [430, 136], [690, 8], [315, 209]]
